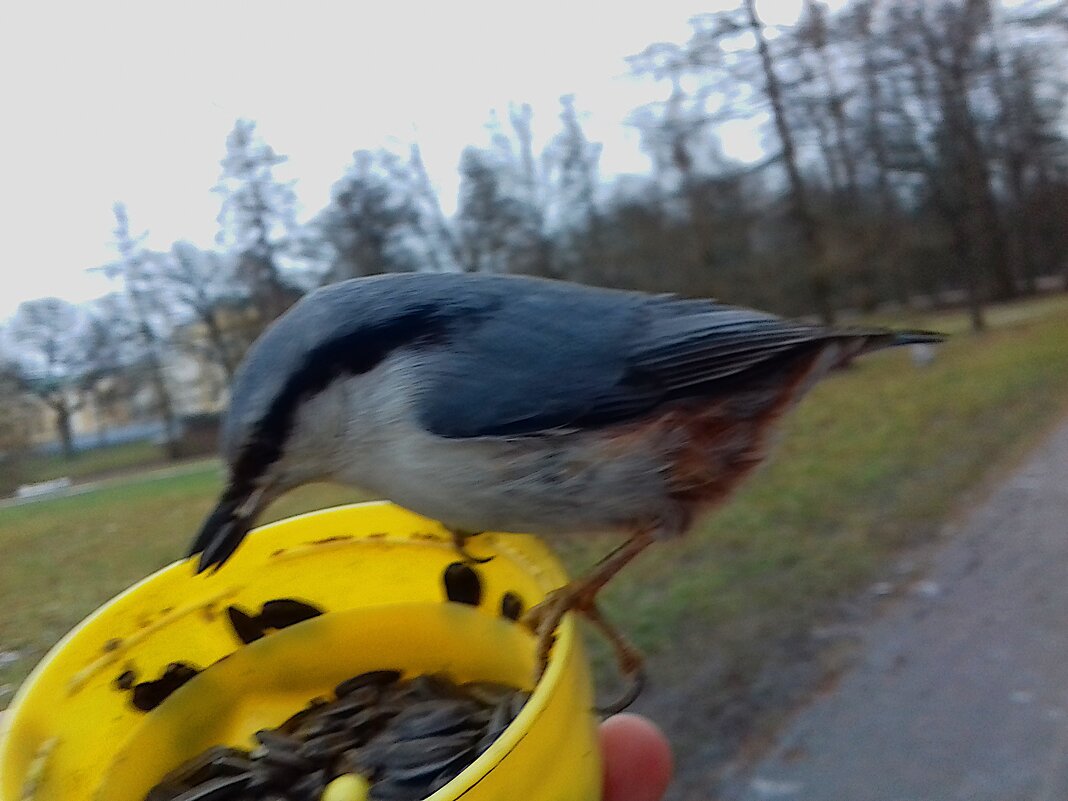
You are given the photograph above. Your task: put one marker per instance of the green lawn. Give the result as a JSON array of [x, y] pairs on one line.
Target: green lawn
[[93, 463], [64, 557], [872, 461]]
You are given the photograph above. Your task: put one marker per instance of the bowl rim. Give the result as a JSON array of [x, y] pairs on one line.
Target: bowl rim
[[560, 656]]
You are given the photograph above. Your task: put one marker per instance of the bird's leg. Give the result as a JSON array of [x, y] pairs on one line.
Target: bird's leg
[[631, 662], [580, 595], [459, 542]]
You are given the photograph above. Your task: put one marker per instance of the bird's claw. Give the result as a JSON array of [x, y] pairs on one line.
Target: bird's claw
[[543, 621], [459, 543], [636, 680]]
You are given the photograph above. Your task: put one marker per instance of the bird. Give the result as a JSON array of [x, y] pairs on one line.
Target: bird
[[519, 404]]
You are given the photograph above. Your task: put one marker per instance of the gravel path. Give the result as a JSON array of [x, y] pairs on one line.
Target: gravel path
[[961, 692]]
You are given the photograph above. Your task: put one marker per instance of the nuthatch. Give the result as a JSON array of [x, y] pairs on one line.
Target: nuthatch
[[502, 403]]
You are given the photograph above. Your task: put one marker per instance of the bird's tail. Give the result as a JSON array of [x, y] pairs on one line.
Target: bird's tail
[[914, 338], [855, 342], [870, 339]]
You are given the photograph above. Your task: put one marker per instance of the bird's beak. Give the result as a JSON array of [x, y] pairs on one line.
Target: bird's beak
[[227, 525]]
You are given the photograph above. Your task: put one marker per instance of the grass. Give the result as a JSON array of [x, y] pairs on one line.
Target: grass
[[93, 463], [872, 461], [65, 557]]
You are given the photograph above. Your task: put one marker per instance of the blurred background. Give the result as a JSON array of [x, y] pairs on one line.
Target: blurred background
[[175, 177]]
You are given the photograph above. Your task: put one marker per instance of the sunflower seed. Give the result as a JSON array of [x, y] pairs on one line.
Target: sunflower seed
[[318, 726], [429, 769], [501, 717], [406, 738], [487, 693], [434, 687], [295, 721], [222, 789], [325, 747], [310, 787], [365, 760], [393, 790], [273, 740], [368, 720], [358, 699], [202, 767], [406, 753], [516, 704], [427, 718], [375, 678]]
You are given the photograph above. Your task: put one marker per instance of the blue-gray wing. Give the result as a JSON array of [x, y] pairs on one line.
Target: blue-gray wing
[[557, 357]]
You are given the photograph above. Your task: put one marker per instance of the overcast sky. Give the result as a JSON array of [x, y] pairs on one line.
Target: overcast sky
[[104, 101]]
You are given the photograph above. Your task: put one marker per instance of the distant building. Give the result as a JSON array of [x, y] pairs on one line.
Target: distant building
[[122, 408], [99, 417]]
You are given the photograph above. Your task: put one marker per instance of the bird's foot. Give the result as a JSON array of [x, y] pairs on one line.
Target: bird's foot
[[545, 618], [459, 542], [580, 595], [629, 659]]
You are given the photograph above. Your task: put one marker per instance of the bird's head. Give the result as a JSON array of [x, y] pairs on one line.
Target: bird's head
[[281, 431], [297, 397], [267, 459]]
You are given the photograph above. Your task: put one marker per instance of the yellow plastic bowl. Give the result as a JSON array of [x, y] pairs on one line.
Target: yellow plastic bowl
[[376, 571]]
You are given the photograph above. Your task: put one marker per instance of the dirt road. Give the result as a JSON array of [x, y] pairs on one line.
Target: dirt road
[[961, 692]]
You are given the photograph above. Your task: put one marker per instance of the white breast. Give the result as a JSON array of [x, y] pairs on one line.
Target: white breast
[[367, 430]]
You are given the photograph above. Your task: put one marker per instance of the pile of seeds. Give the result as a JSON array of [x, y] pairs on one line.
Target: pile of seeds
[[406, 738]]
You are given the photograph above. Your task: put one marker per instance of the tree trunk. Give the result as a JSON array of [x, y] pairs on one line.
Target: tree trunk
[[970, 273], [64, 427], [219, 345], [987, 228], [102, 423], [819, 282], [888, 201], [165, 408]]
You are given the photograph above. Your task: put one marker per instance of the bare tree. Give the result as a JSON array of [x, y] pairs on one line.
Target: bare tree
[[824, 63], [202, 290], [445, 246], [488, 214], [874, 117], [136, 268], [256, 219], [1027, 142], [49, 348], [500, 225], [732, 50], [115, 358], [373, 223], [574, 179], [534, 191], [800, 208], [16, 415]]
